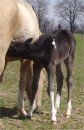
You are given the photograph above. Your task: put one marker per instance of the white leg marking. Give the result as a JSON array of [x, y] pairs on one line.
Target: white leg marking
[[53, 111], [57, 104], [68, 113], [31, 109]]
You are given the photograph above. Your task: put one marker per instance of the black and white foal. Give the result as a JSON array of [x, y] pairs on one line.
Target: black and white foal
[[49, 52]]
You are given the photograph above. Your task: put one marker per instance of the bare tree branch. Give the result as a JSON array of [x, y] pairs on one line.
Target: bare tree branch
[[70, 10]]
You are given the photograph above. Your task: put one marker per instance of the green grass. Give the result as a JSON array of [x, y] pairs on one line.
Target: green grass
[[8, 99]]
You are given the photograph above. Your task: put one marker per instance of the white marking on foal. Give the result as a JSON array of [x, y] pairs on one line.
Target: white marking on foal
[[31, 109], [53, 111], [53, 43], [57, 104], [68, 113]]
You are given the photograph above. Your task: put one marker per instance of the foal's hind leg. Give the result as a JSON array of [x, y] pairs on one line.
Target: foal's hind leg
[[59, 78], [69, 65]]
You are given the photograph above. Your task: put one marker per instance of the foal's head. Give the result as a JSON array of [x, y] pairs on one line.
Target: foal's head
[[42, 47]]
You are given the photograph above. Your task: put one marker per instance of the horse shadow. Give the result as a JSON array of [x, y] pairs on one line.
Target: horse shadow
[[11, 113], [8, 112]]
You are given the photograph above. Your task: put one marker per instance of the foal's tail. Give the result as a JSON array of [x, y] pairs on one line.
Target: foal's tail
[[73, 45]]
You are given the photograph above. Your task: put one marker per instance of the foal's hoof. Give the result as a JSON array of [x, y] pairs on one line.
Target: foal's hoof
[[29, 117], [53, 122], [67, 116]]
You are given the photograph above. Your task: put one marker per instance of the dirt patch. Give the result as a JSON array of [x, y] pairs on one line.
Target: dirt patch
[[1, 125], [76, 117]]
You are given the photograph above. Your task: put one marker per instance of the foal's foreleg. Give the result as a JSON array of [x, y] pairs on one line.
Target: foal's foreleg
[[36, 76], [69, 66], [59, 78], [51, 72]]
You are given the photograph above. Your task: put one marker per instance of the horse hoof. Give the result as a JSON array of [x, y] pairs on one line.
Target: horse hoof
[[67, 116], [29, 117], [53, 122], [22, 114]]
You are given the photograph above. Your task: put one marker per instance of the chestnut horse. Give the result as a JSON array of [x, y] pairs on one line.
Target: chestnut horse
[[18, 22]]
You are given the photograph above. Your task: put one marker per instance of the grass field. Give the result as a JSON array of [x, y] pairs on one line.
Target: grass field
[[8, 99]]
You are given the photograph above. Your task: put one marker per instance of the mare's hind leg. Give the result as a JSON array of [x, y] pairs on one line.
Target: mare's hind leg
[[1, 77], [36, 77], [59, 78], [22, 83], [8, 27], [29, 79], [25, 83], [2, 64], [69, 65], [4, 44], [39, 92]]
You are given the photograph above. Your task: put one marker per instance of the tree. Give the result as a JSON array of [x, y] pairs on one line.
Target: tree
[[49, 26], [70, 11], [40, 8]]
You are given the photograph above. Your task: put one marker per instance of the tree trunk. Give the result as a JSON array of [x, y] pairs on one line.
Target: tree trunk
[[71, 27]]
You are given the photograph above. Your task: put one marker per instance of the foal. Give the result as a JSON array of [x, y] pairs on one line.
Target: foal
[[49, 52]]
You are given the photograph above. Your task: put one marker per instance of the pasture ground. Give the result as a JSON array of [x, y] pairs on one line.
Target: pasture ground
[[41, 121]]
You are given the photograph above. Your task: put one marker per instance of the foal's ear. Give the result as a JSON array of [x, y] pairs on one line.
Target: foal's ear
[[28, 42]]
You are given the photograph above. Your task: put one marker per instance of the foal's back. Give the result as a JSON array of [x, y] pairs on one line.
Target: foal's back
[[65, 43]]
